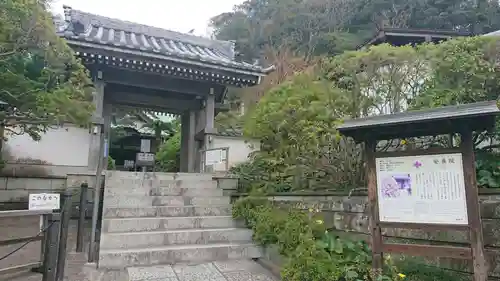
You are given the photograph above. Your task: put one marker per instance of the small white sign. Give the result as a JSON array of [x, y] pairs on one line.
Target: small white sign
[[145, 157], [213, 157], [145, 145], [44, 201], [128, 163]]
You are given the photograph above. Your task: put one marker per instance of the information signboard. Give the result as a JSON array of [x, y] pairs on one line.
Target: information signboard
[[422, 189], [213, 157], [145, 159]]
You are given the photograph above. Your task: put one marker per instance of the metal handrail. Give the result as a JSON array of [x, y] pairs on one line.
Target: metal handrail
[[23, 213], [203, 153], [53, 236]]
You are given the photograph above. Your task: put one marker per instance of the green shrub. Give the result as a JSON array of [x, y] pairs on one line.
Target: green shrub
[[111, 163], [167, 158], [312, 253]]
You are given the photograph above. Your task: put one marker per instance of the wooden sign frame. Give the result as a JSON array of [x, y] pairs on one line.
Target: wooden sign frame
[[462, 119], [474, 227]]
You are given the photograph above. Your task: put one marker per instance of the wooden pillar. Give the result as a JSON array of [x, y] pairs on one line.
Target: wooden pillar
[[376, 232], [107, 112], [191, 153], [473, 210], [210, 112], [188, 142], [94, 141]]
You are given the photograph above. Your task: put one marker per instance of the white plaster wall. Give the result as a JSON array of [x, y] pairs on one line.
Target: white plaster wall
[[239, 149], [63, 146]]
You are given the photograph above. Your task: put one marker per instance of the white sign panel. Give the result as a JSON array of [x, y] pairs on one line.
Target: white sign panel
[[145, 145], [145, 157], [213, 157], [422, 189], [128, 163], [44, 201]]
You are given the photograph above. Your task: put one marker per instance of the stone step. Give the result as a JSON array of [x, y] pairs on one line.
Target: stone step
[[113, 175], [172, 223], [163, 191], [167, 211], [174, 237], [122, 258], [149, 183], [178, 191], [148, 201]]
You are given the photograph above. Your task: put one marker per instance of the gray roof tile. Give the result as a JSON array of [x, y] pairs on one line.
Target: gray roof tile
[[86, 27]]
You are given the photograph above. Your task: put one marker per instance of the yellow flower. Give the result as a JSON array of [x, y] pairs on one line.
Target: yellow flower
[[311, 210], [403, 142], [319, 222], [401, 275]]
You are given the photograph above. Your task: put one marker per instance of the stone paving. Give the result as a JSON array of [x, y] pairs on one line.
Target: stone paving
[[233, 270], [77, 268]]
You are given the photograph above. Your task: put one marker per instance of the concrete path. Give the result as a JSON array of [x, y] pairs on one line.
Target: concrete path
[[77, 268]]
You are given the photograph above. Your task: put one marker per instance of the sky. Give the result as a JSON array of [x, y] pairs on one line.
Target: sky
[[175, 15]]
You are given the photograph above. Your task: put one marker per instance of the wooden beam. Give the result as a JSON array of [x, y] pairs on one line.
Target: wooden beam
[[428, 250], [426, 226], [161, 82], [154, 101]]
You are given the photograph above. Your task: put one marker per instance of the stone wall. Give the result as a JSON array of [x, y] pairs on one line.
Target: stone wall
[[348, 216], [15, 190]]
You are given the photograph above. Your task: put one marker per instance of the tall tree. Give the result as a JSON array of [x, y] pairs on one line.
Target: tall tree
[[306, 27], [318, 27], [40, 79]]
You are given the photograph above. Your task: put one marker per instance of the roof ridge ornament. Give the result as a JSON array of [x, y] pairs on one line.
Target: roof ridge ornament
[[68, 24], [72, 26], [67, 13]]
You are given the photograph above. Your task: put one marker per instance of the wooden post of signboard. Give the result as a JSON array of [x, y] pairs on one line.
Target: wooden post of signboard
[[376, 231], [476, 229]]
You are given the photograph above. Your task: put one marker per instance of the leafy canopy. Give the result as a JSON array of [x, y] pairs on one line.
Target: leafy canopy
[[40, 78], [296, 121]]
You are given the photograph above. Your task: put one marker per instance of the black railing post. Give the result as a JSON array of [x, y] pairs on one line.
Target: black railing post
[[51, 248], [81, 218], [63, 240], [43, 225]]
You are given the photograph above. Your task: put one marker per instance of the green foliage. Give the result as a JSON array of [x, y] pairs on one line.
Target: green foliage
[[461, 71], [41, 80], [167, 158], [381, 79], [296, 120], [296, 124], [111, 163], [417, 270], [329, 27], [312, 254], [261, 173], [488, 169]]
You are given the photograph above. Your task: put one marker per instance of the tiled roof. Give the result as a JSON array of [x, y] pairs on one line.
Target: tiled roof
[[494, 33], [85, 27], [230, 132], [479, 116], [416, 116]]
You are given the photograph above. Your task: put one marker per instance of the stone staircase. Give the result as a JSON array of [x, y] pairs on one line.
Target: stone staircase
[[157, 218]]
